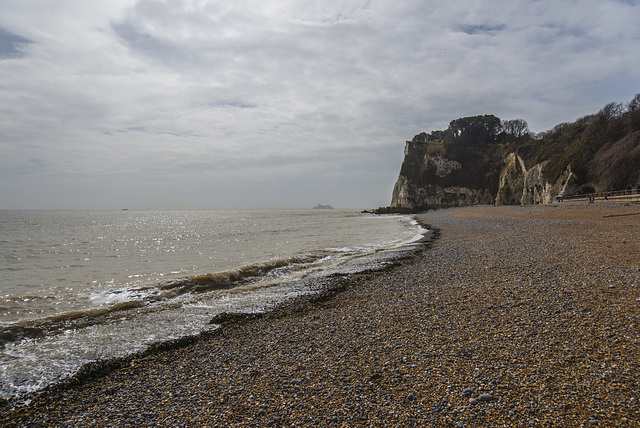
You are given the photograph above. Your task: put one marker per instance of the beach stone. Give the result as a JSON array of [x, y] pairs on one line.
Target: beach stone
[[296, 381], [485, 397], [468, 392], [473, 401]]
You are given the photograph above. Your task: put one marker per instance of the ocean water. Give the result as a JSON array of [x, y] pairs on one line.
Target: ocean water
[[80, 286]]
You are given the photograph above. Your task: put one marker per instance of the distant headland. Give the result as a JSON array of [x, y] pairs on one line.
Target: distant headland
[[485, 160]]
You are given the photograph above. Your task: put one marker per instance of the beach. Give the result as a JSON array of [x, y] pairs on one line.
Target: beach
[[508, 316]]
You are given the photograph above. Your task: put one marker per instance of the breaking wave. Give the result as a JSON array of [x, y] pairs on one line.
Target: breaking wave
[[122, 303]]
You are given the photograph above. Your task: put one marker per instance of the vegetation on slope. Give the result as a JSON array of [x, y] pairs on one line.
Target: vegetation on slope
[[603, 149]]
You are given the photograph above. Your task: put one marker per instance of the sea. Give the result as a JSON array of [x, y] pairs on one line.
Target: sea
[[81, 286]]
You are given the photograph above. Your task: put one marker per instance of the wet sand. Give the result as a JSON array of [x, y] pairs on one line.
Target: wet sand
[[514, 316]]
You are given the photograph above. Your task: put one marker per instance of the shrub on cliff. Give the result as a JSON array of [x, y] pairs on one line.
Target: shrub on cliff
[[600, 148]]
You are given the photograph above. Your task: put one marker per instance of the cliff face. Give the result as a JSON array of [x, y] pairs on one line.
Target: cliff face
[[425, 182], [528, 187], [424, 185]]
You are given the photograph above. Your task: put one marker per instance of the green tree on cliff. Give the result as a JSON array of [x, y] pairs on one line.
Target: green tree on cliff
[[474, 130]]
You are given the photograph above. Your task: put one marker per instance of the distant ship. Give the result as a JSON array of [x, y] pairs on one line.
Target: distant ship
[[323, 207]]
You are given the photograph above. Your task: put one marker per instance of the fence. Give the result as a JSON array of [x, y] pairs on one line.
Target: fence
[[618, 194]]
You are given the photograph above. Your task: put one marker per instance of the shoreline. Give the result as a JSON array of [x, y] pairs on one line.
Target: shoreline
[[116, 319], [515, 315]]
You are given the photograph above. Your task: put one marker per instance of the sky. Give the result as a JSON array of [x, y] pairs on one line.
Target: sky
[[195, 104]]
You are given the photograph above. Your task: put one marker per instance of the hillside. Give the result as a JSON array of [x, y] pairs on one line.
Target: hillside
[[484, 160]]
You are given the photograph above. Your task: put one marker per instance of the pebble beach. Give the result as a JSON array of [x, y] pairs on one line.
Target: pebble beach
[[506, 317]]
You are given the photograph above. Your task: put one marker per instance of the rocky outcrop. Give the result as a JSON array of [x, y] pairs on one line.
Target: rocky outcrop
[[441, 166], [529, 187], [422, 183], [414, 197], [512, 178]]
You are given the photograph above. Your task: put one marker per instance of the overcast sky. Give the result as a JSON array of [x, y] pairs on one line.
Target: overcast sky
[[282, 103]]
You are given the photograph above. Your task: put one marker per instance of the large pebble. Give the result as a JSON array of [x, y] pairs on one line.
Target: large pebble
[[485, 397], [468, 392]]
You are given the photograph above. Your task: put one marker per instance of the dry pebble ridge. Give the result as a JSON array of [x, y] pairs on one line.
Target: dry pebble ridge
[[515, 317]]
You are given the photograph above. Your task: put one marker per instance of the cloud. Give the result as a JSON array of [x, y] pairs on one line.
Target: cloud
[[185, 103], [482, 29], [11, 45]]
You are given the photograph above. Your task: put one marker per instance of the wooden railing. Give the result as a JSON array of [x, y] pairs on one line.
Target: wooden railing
[[614, 194]]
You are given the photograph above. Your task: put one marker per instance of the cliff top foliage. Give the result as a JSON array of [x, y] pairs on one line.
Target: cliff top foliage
[[602, 149]]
